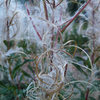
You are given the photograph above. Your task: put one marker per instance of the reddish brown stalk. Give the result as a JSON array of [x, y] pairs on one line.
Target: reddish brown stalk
[[28, 12], [59, 3], [64, 23], [53, 4], [45, 9], [70, 21], [75, 16], [7, 25], [92, 57], [58, 34], [93, 36], [7, 30], [65, 69], [6, 3], [17, 98], [52, 38], [10, 71], [49, 2], [87, 94], [65, 52], [70, 95]]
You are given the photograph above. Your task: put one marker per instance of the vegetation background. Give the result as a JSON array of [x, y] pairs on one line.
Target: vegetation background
[[49, 50]]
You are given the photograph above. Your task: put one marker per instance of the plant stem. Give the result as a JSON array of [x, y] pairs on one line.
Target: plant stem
[[75, 16], [65, 69], [87, 94], [45, 9], [93, 36], [28, 12]]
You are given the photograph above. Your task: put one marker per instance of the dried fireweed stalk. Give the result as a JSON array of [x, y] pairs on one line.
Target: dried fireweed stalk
[[93, 30], [50, 65]]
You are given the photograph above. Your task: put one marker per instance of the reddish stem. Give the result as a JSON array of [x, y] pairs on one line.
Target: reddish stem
[[87, 94], [75, 16], [93, 22], [71, 20], [28, 12], [65, 69], [45, 9], [59, 3], [58, 34], [53, 4]]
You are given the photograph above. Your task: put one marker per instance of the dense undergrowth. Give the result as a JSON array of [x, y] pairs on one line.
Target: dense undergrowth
[[49, 50]]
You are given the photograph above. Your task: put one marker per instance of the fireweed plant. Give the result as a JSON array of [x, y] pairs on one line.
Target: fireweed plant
[[93, 30], [12, 57], [93, 34], [91, 16], [51, 65], [53, 60]]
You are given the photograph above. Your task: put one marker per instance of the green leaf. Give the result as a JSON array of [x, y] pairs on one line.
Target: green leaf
[[2, 85], [12, 87], [19, 66], [80, 69], [98, 58], [9, 44], [22, 44], [3, 90], [21, 78], [85, 25], [86, 62], [26, 74]]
